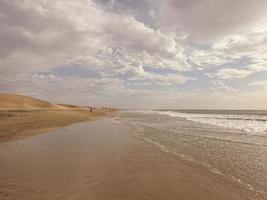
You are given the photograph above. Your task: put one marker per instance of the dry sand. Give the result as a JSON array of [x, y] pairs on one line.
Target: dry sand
[[99, 160], [24, 116], [16, 101]]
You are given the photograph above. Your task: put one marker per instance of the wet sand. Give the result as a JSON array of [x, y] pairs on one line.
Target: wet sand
[[99, 160], [18, 123]]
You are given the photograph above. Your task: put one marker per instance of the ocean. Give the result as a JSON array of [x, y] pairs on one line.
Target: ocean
[[230, 143]]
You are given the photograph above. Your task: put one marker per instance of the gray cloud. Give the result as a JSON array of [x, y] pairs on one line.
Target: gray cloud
[[43, 34], [142, 10], [206, 19], [113, 38]]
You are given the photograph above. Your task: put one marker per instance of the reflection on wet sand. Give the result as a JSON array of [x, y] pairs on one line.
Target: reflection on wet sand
[[99, 160]]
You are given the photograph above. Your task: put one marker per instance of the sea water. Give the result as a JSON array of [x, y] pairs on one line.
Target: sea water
[[232, 144]]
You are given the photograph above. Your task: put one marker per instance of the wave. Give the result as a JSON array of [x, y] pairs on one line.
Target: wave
[[251, 124]]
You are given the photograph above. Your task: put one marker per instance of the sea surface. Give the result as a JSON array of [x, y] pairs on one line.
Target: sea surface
[[230, 143]]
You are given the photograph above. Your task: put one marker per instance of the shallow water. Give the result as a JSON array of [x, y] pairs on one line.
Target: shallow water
[[63, 164], [219, 141], [100, 160]]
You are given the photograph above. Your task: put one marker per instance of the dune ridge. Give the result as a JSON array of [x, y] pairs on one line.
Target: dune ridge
[[24, 116], [17, 101]]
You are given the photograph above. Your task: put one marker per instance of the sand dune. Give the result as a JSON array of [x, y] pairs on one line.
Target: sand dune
[[23, 116], [16, 101], [69, 105]]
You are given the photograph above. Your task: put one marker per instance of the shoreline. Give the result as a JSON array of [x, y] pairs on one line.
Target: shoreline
[[19, 123], [101, 160]]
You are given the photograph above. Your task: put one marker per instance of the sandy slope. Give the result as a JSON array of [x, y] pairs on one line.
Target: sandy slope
[[20, 123], [16, 101], [23, 116]]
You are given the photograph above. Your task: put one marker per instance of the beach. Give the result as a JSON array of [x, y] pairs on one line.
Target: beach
[[103, 160], [231, 144], [20, 123], [133, 100], [22, 116]]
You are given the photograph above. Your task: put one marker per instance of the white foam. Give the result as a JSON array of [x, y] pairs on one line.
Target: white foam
[[115, 120], [253, 124]]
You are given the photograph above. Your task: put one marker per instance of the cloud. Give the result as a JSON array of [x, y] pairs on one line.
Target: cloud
[[110, 45], [222, 87], [259, 65], [259, 84], [208, 20], [166, 79], [128, 33], [208, 58], [43, 34], [230, 73]]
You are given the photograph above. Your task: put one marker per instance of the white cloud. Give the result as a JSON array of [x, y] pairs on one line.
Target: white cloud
[[260, 64], [259, 84], [209, 20], [208, 58], [230, 73], [166, 79], [171, 37], [222, 87], [44, 34]]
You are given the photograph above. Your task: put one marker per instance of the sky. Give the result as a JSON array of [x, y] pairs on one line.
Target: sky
[[147, 54]]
